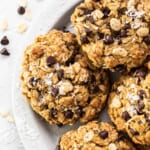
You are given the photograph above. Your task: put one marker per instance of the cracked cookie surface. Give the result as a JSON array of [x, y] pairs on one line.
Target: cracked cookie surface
[[129, 104], [114, 34], [94, 136], [58, 83]]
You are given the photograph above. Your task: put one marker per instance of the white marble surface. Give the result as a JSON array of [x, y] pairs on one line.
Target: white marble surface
[[9, 139]]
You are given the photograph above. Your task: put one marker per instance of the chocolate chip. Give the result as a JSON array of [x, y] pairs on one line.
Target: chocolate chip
[[96, 0], [60, 74], [33, 81], [50, 61], [84, 40], [54, 91], [91, 19], [106, 12], [87, 30], [141, 72], [100, 36], [53, 112], [86, 11], [126, 116], [79, 112], [68, 114], [147, 40], [5, 52], [127, 26], [123, 33], [4, 40], [121, 11], [120, 68], [141, 106], [91, 79], [96, 89], [103, 134], [133, 132], [108, 39], [121, 135], [21, 10], [59, 125], [141, 93]]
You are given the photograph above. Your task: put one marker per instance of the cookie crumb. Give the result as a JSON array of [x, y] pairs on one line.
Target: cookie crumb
[[27, 14], [22, 27], [4, 25], [23, 3], [7, 116]]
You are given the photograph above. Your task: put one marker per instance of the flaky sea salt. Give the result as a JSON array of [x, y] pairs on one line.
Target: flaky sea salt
[[133, 13], [48, 80], [132, 110], [132, 97]]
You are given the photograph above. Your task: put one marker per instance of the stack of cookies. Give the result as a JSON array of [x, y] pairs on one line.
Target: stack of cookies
[[65, 77]]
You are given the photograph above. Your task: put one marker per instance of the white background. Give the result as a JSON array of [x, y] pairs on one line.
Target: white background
[[9, 139]]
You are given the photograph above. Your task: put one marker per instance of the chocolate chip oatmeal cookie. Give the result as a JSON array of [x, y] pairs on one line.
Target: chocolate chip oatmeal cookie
[[129, 104], [115, 34], [94, 136], [58, 83]]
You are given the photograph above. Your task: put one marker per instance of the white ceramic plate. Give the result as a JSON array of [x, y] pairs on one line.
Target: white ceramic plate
[[35, 133]]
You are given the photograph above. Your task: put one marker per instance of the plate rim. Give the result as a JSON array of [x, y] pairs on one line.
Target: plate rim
[[43, 27]]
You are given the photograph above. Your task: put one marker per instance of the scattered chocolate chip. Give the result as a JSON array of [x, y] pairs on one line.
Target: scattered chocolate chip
[[68, 114], [60, 74], [53, 112], [21, 10], [127, 26], [141, 72], [54, 91], [141, 93], [50, 61], [84, 40], [123, 33], [86, 11], [133, 132], [103, 134], [100, 36], [147, 40], [141, 106], [91, 19], [33, 81], [96, 89], [121, 11], [126, 116], [4, 40], [108, 39], [106, 12], [5, 52], [120, 68]]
